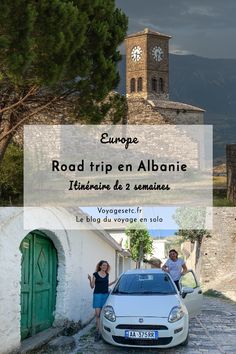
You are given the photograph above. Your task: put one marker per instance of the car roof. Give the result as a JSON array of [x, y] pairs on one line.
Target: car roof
[[145, 271]]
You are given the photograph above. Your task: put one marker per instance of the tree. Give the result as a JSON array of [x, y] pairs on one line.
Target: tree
[[11, 174], [140, 242], [192, 223], [193, 235], [195, 218], [54, 49]]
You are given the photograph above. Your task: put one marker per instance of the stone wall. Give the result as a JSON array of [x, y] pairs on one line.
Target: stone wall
[[218, 254], [62, 112], [176, 116], [189, 250], [147, 68], [141, 112], [216, 266], [134, 69], [231, 172]]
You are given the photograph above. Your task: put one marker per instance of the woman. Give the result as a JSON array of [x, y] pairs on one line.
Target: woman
[[175, 267], [100, 283]]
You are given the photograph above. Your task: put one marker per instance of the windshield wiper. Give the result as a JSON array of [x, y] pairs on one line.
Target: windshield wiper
[[155, 292], [148, 292]]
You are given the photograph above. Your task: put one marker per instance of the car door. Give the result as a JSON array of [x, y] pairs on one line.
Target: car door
[[192, 301]]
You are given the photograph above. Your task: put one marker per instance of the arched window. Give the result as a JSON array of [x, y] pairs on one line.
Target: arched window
[[132, 85], [161, 85], [154, 84], [140, 84]]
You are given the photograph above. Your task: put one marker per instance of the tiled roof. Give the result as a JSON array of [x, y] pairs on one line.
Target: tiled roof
[[166, 104]]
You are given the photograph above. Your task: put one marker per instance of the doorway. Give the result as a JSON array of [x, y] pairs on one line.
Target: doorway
[[38, 283]]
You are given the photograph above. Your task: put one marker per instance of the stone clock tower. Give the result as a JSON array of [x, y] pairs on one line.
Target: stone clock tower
[[147, 65], [147, 83]]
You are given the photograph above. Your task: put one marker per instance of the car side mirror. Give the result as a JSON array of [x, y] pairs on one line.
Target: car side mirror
[[185, 290]]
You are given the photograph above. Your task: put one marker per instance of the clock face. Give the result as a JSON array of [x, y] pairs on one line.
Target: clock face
[[136, 53], [157, 53]]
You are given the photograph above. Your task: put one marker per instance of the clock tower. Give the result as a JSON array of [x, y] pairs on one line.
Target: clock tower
[[147, 65]]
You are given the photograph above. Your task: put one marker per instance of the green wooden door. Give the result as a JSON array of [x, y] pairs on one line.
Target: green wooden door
[[38, 283]]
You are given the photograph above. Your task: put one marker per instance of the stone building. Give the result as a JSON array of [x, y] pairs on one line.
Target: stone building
[[147, 90], [147, 83]]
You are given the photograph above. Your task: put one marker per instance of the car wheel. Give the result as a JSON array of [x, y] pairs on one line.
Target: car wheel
[[185, 342]]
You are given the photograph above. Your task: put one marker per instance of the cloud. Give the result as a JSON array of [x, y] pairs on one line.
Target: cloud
[[201, 11], [179, 51], [195, 25]]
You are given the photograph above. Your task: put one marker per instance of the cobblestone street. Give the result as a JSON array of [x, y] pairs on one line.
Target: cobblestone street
[[213, 331]]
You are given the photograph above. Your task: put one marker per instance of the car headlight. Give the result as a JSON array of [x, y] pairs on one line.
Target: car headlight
[[176, 314], [109, 313]]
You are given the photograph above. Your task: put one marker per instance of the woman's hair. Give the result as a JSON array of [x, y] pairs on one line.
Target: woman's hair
[[174, 252], [98, 266]]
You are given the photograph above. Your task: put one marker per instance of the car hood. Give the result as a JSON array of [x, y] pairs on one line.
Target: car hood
[[144, 305]]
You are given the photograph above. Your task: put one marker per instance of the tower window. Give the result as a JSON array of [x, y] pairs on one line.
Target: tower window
[[154, 84], [140, 84], [161, 85], [132, 85]]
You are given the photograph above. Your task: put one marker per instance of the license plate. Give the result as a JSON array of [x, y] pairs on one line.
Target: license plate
[[141, 334]]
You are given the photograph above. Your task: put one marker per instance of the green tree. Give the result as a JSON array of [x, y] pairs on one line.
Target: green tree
[[193, 235], [140, 242], [11, 175], [192, 223], [54, 49], [195, 218]]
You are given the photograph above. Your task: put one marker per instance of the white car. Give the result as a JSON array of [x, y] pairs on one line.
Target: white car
[[145, 309]]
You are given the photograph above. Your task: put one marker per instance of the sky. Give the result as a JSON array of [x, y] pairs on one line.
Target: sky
[[205, 28], [167, 227]]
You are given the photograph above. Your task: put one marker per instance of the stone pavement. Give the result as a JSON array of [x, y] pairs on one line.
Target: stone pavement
[[213, 331]]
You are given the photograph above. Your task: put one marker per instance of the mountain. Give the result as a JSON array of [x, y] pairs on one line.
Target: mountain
[[206, 83]]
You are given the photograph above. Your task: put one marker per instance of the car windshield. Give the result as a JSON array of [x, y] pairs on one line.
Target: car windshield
[[144, 284]]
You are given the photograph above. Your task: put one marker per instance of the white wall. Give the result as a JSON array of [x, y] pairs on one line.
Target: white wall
[[10, 273], [88, 250], [120, 237], [159, 249], [78, 253]]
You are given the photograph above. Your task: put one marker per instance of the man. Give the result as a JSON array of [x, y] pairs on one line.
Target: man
[[175, 267]]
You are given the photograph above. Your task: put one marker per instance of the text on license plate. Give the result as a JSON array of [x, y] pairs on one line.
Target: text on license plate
[[141, 334]]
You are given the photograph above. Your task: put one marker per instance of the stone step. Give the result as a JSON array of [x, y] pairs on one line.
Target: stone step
[[33, 344]]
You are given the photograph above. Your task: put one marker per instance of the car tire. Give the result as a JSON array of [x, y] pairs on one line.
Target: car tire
[[185, 342]]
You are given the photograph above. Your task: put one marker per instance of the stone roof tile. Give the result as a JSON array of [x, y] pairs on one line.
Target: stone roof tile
[[148, 31], [166, 104]]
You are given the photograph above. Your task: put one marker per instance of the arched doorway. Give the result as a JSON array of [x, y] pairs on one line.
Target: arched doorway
[[38, 283]]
